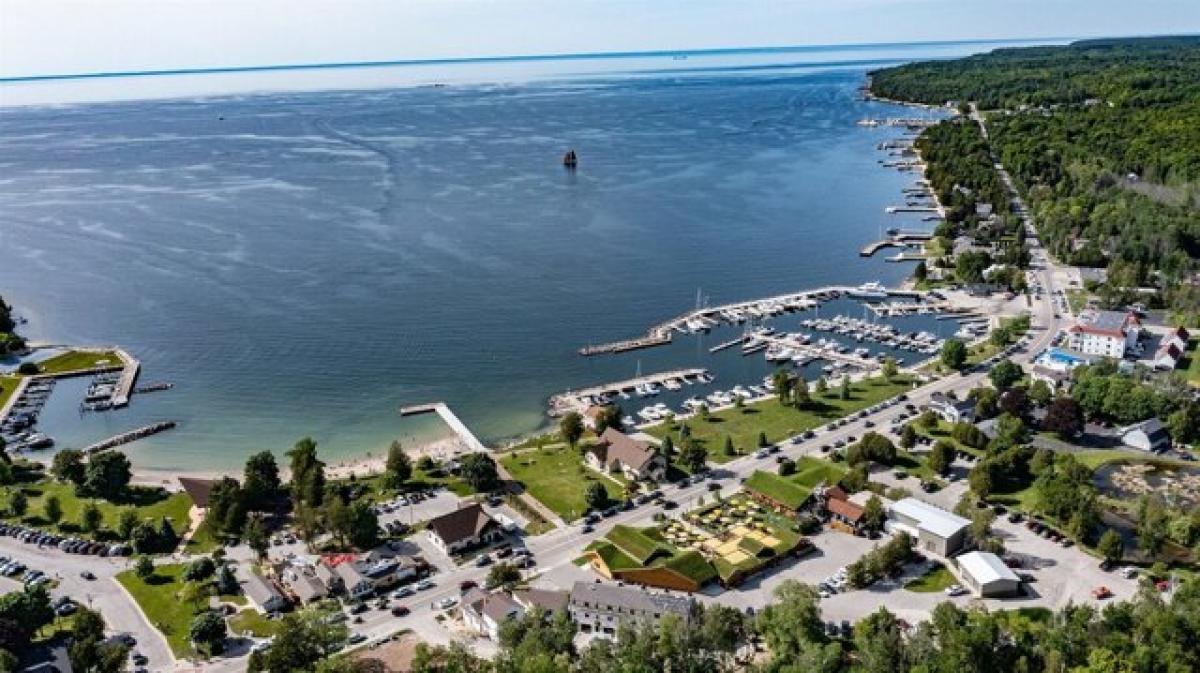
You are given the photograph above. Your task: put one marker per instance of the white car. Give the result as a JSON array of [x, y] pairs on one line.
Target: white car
[[403, 592], [1129, 573], [424, 584], [447, 603], [956, 590]]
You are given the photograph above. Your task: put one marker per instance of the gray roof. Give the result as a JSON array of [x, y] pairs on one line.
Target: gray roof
[[985, 567], [307, 586], [596, 594], [350, 574], [1154, 429], [545, 599], [260, 590], [962, 405]]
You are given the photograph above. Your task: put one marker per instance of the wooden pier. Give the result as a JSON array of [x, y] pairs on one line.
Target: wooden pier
[[443, 410], [574, 400], [132, 435], [728, 344]]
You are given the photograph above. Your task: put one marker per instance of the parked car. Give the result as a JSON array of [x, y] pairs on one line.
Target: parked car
[[400, 611]]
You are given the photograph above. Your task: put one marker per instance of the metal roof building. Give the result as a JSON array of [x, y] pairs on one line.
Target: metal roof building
[[986, 575], [934, 529]]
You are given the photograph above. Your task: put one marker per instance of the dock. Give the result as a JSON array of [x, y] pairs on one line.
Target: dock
[[902, 239], [130, 436], [912, 209], [818, 353], [580, 400], [452, 421], [728, 344], [129, 374]]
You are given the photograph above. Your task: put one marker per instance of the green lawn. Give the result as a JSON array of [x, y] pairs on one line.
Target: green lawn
[[933, 581], [812, 471], [8, 386], [778, 489], [1077, 299], [71, 361], [1190, 366], [777, 421], [1099, 457], [151, 503], [378, 492], [942, 431], [253, 621], [158, 600], [557, 478]]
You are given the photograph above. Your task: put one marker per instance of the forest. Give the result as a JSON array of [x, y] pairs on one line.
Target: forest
[[1102, 138]]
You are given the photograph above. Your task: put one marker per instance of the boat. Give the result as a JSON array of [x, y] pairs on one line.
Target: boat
[[570, 159], [650, 414], [38, 441], [672, 384], [693, 403], [872, 290], [628, 420]]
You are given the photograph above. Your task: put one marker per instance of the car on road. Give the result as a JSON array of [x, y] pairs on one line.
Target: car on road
[[467, 585], [400, 611], [669, 504], [587, 528], [446, 603], [356, 638], [955, 590], [403, 592], [358, 608], [713, 486], [482, 560], [425, 584], [1102, 592]]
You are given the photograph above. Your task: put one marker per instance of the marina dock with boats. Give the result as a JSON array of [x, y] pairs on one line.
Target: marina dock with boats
[[641, 386]]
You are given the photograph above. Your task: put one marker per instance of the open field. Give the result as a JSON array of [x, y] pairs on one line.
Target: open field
[[557, 478], [252, 621], [8, 386], [158, 599], [933, 581], [1190, 365], [778, 421], [71, 361], [150, 503]]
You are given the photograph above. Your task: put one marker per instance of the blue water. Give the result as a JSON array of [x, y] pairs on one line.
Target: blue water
[[303, 263]]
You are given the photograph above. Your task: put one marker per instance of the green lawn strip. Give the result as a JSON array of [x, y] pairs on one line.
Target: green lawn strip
[[253, 621], [72, 361], [811, 472], [157, 598], [558, 479], [1190, 363], [150, 503], [8, 386], [1099, 457], [777, 421], [778, 489], [638, 546], [933, 581], [613, 557], [692, 565], [942, 431], [376, 491], [202, 541]]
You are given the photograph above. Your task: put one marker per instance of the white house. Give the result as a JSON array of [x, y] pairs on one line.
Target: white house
[[933, 528], [1107, 333], [1150, 435], [600, 608], [1177, 338], [952, 410], [1167, 357], [463, 529], [617, 451], [483, 613], [986, 575], [1051, 376]]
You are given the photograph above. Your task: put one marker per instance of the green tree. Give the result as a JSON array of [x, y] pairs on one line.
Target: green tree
[[303, 639], [800, 395], [1040, 393], [692, 456], [68, 466], [479, 471], [260, 483], [728, 449], [504, 575], [571, 427], [908, 436], [1151, 525], [873, 514], [399, 466], [107, 475], [308, 473], [595, 496], [200, 569], [608, 417], [879, 643], [1064, 418], [144, 568], [52, 509], [781, 380], [844, 391], [954, 353], [1005, 373], [90, 517], [1111, 547], [208, 632], [890, 369], [941, 457], [792, 623], [127, 519], [18, 503], [256, 536]]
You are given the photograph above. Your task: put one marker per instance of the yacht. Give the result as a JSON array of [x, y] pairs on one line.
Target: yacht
[[693, 403], [742, 392], [872, 290], [649, 414], [672, 384]]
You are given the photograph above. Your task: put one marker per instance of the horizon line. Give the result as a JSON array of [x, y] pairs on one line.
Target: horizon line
[[459, 60]]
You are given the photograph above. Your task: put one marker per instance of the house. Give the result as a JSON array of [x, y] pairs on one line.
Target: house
[[544, 599], [1167, 357], [843, 514], [484, 612], [1150, 435], [1178, 337], [198, 490], [1107, 333], [952, 410], [304, 584], [933, 529], [986, 575], [617, 451], [354, 581], [1054, 377], [592, 414], [463, 529], [600, 608], [263, 594]]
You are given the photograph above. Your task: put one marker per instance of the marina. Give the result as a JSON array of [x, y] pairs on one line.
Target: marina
[[641, 386]]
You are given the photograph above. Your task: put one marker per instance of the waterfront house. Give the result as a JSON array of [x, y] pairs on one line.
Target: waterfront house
[[933, 529], [618, 452], [1149, 435], [463, 529], [484, 612], [600, 608], [952, 410]]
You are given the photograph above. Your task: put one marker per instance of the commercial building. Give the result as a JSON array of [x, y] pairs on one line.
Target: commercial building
[[952, 410], [1107, 333], [600, 608], [986, 575], [932, 528], [463, 529], [484, 612], [618, 452]]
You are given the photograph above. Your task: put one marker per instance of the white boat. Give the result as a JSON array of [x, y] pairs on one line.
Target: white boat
[[650, 414], [778, 353], [714, 399], [628, 420], [693, 403], [872, 290], [742, 392], [624, 395], [672, 384]]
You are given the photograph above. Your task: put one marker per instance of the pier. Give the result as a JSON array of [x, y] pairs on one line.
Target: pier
[[580, 400], [912, 209], [443, 410], [728, 344], [132, 435], [900, 239], [129, 374]]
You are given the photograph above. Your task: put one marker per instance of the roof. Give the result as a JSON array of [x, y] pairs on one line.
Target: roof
[[933, 519], [844, 509], [1168, 350], [1107, 323], [499, 606], [985, 567], [307, 586], [1181, 333], [1155, 430], [260, 590], [777, 489], [615, 446], [597, 594], [461, 524], [545, 599], [1050, 373], [350, 574], [962, 405], [197, 489]]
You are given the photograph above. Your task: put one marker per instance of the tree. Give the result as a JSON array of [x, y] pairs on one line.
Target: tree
[[844, 391], [503, 575], [308, 473], [18, 503], [399, 466], [1015, 402], [800, 396], [127, 519], [608, 417], [226, 512], [1151, 525], [728, 449], [479, 471], [68, 466], [667, 447], [1005, 373], [90, 517], [908, 436], [363, 532], [980, 480], [822, 386], [941, 456], [52, 509], [596, 496], [303, 639], [954, 353], [793, 621], [889, 368], [873, 514], [1040, 393], [781, 380], [260, 483], [144, 568], [107, 475], [928, 419], [1064, 418], [194, 594], [256, 536], [167, 538], [571, 427], [692, 456], [200, 569], [227, 583], [208, 632], [88, 651], [879, 643], [1111, 546]]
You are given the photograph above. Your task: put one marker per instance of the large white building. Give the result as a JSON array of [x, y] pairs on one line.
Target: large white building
[[986, 575], [600, 608], [933, 528], [1107, 333]]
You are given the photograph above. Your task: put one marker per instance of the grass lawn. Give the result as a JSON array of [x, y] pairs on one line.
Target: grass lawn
[[557, 478], [253, 621], [8, 386], [203, 541], [933, 581], [151, 503], [377, 492], [1099, 457], [942, 431], [158, 600], [778, 489], [1190, 365], [71, 361], [811, 471], [777, 421]]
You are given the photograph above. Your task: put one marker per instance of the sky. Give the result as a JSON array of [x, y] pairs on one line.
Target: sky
[[56, 37]]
